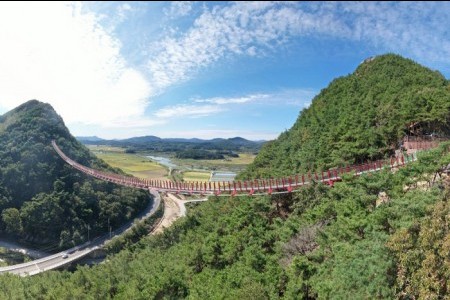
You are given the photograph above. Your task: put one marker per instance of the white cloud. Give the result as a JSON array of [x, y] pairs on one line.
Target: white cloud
[[58, 54], [211, 106], [178, 9], [257, 28], [216, 33], [237, 100], [246, 29], [122, 11], [417, 29], [193, 111], [296, 97]]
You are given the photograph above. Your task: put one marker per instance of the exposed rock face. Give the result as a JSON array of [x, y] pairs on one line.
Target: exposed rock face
[[382, 198]]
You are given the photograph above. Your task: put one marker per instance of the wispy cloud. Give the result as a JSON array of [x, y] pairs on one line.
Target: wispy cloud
[[215, 105], [193, 111], [296, 97], [237, 100], [237, 29], [178, 9], [417, 29], [258, 28], [122, 11]]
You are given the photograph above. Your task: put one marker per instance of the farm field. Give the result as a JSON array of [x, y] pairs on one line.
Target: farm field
[[196, 176], [234, 164], [132, 164], [188, 169]]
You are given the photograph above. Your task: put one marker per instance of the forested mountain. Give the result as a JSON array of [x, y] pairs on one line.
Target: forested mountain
[[42, 199], [360, 117], [154, 143], [89, 139]]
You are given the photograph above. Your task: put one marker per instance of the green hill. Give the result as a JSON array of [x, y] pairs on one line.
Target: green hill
[[42, 199], [360, 117]]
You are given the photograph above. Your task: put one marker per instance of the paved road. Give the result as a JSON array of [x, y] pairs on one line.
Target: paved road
[[68, 256]]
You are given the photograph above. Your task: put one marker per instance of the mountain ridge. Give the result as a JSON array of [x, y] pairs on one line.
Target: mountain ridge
[[150, 138], [154, 143]]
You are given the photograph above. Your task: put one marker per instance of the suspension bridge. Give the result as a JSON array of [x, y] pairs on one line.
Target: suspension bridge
[[269, 186]]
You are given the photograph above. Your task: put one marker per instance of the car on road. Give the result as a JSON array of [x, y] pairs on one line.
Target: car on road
[[65, 255]]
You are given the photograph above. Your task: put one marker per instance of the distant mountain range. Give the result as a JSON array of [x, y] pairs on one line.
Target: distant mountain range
[[89, 138], [155, 143]]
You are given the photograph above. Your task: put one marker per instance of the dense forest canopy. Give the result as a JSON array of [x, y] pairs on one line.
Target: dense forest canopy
[[42, 199], [360, 117]]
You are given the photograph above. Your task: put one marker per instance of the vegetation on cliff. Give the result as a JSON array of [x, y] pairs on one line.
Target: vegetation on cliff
[[360, 117], [44, 200]]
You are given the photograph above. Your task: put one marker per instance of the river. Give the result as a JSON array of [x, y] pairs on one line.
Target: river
[[163, 161]]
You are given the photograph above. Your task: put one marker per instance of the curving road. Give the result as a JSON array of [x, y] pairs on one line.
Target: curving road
[[70, 255]]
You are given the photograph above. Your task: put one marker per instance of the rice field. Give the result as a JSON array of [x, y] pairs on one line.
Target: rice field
[[234, 164], [132, 164], [222, 176], [196, 176], [190, 169]]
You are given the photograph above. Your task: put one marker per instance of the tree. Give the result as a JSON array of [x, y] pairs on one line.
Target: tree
[[13, 222]]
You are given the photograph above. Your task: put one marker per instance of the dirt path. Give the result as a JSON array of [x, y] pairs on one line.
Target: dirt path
[[171, 213], [174, 209]]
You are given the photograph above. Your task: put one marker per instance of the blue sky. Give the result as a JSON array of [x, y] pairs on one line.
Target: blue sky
[[200, 69]]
